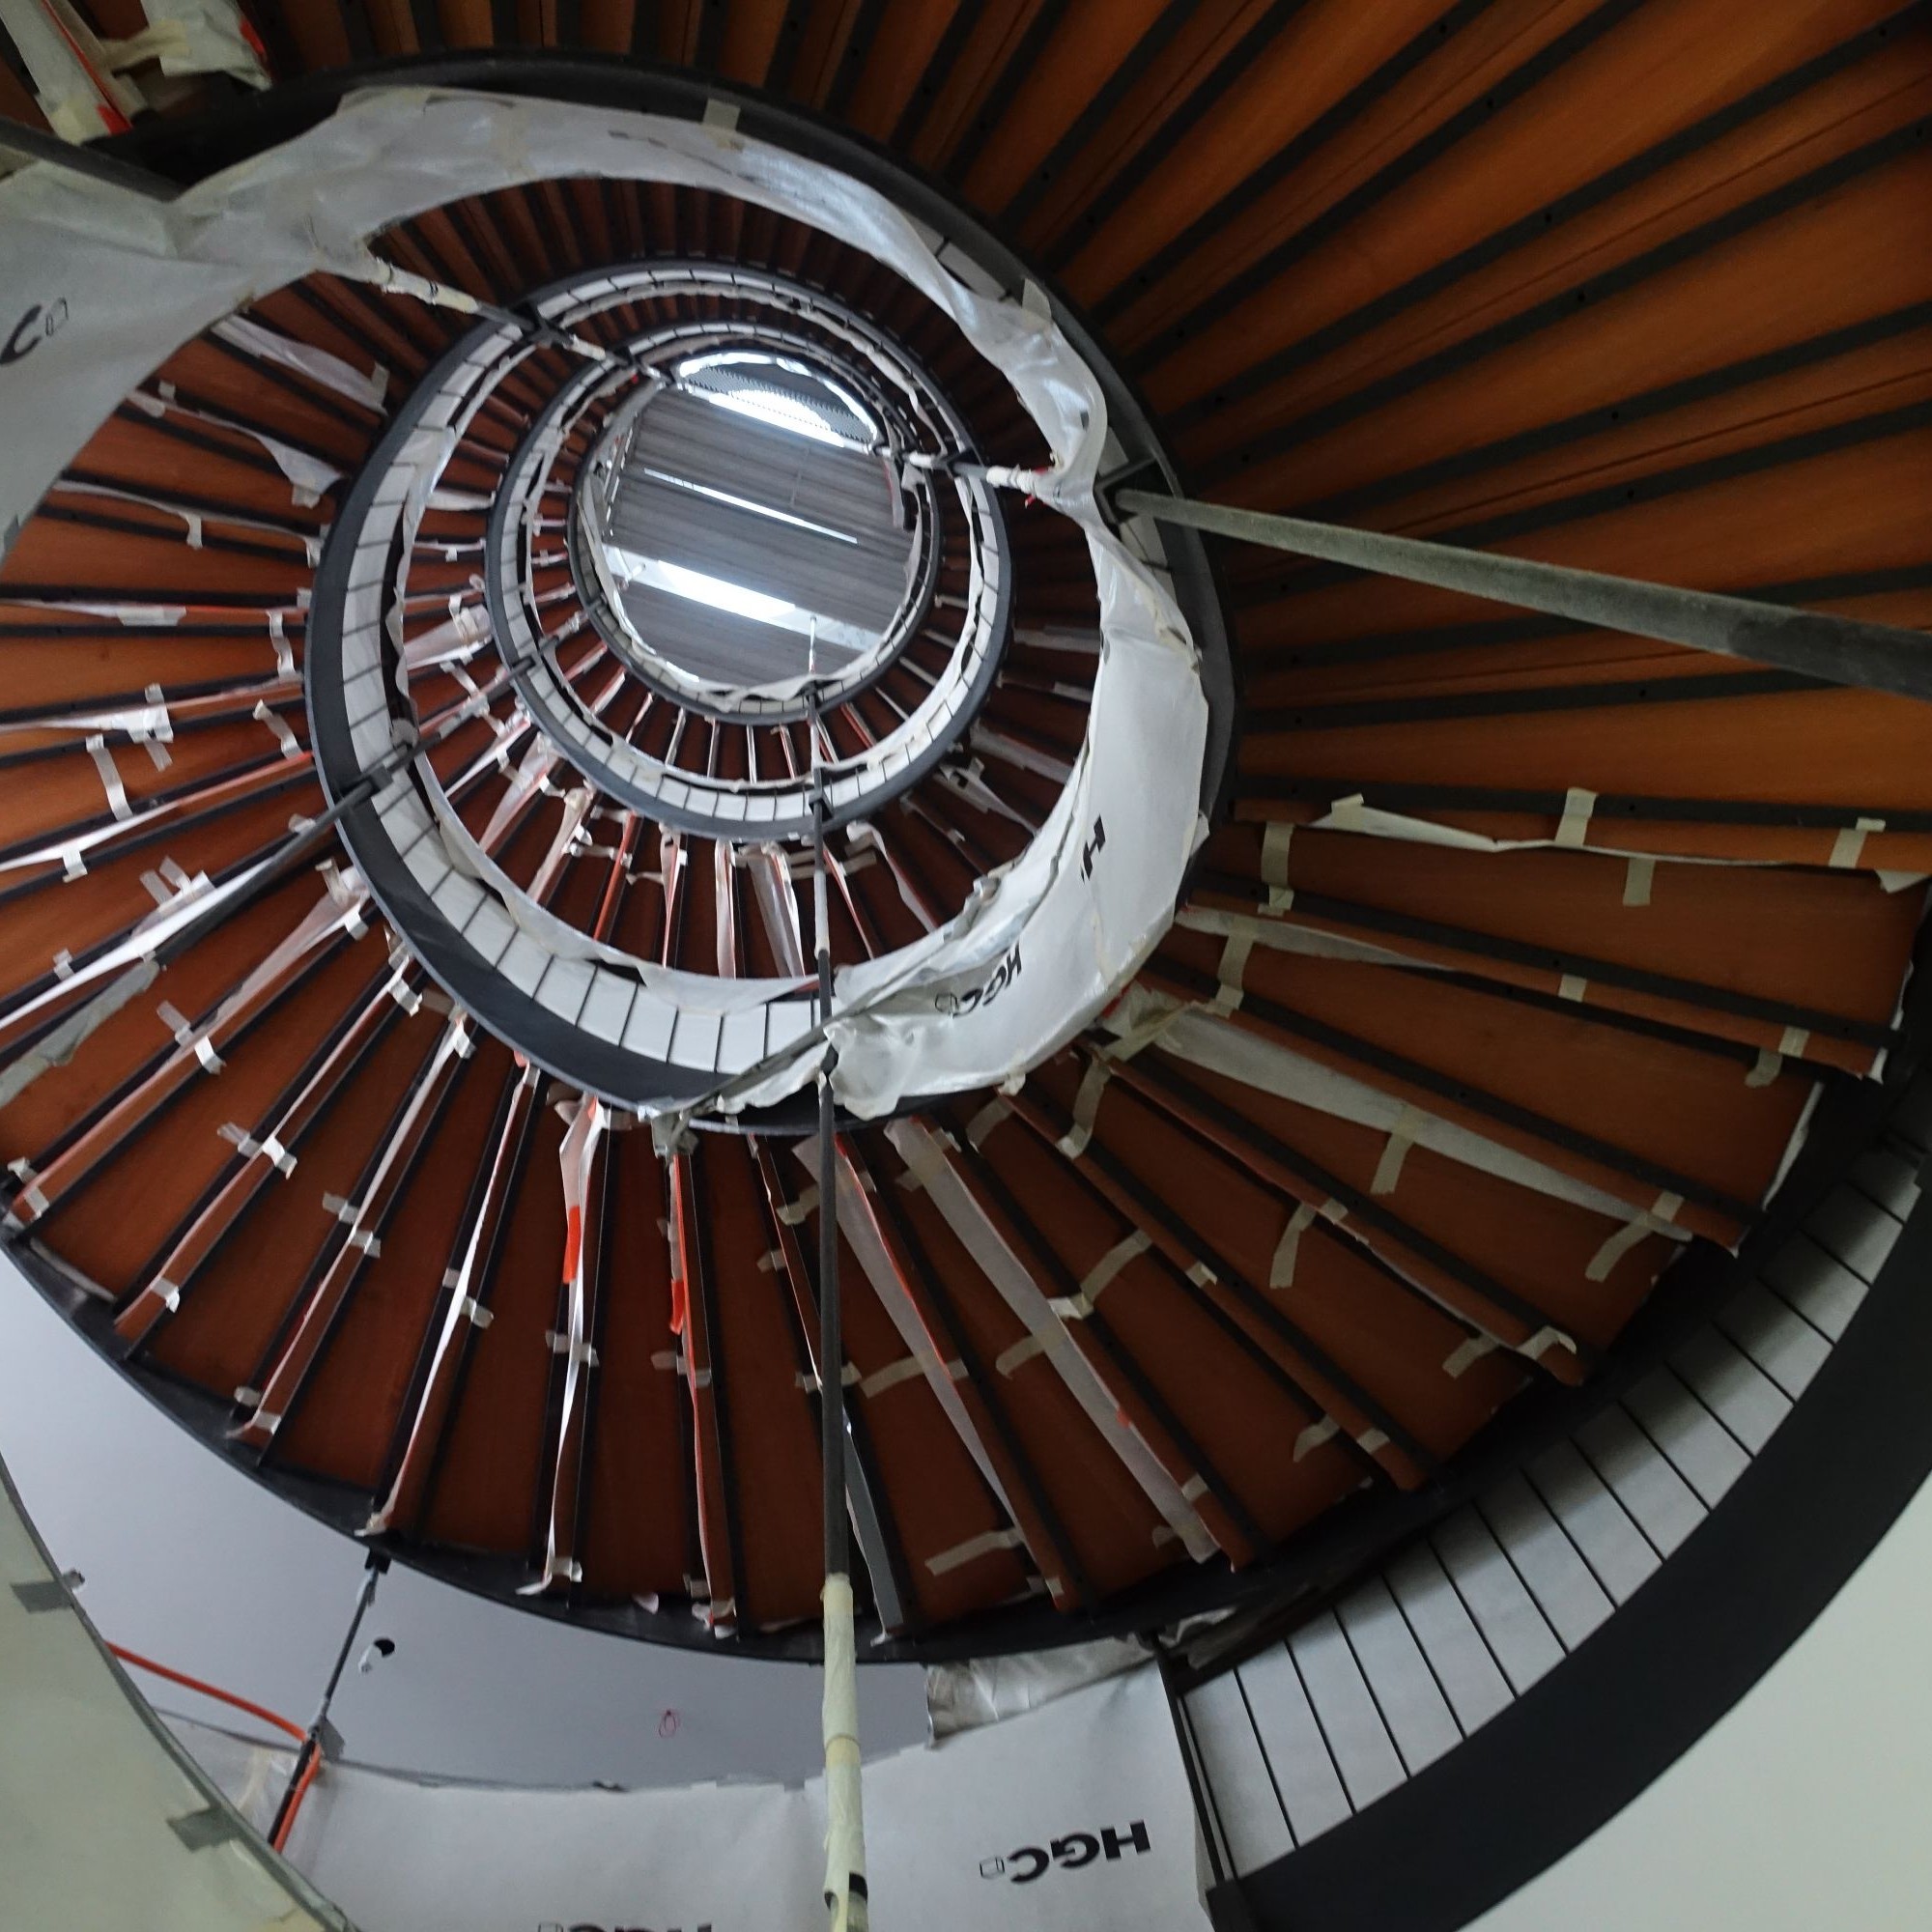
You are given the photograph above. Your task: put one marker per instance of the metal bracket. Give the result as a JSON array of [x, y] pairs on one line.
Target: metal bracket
[[44, 1593], [212, 1825]]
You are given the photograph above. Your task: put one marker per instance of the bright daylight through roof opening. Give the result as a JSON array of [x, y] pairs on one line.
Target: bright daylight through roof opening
[[753, 522]]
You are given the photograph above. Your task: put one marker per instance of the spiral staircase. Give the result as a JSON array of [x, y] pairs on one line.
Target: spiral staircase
[[1532, 986]]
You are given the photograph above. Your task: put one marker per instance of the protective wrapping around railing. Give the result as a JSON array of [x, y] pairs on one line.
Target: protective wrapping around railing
[[1042, 948]]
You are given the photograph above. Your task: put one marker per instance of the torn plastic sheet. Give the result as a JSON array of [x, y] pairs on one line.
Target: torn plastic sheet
[[73, 1032], [139, 947], [199, 37], [1050, 938], [777, 905], [73, 70], [1046, 1332], [71, 851], [268, 345], [989, 1690], [364, 1217], [861, 1229], [309, 479], [462, 1281], [1283, 935], [456, 639], [197, 521], [862, 836], [1195, 1035], [578, 1160], [143, 724], [1354, 814]]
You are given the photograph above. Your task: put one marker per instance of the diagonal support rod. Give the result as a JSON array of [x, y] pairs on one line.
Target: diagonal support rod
[[303, 1769], [1838, 650]]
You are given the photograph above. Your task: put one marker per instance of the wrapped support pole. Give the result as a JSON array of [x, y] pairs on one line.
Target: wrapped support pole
[[1837, 650], [845, 1815], [304, 1770]]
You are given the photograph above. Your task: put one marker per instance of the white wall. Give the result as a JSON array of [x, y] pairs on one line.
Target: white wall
[[191, 1562], [1806, 1808]]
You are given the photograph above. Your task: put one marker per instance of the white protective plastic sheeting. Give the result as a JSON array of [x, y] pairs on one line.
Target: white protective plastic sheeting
[[77, 77], [1045, 943], [69, 68], [200, 37], [989, 1690], [1026, 1826], [91, 1787]]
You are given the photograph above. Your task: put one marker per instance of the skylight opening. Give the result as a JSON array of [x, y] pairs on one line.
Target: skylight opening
[[782, 409], [719, 593], [786, 413], [746, 503]]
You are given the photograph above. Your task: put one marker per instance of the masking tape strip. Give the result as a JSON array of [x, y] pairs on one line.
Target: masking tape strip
[[279, 725], [1161, 1015], [794, 1214], [110, 775], [1850, 844], [908, 1368], [1570, 986], [1281, 1270], [1766, 1068], [182, 1028], [1408, 1124], [808, 1379], [1079, 1307], [1638, 877], [1466, 1354], [1544, 1340], [1023, 1350], [248, 1146], [925, 1158], [1274, 863], [986, 1119], [983, 1545], [1086, 1105], [1234, 966], [1577, 806], [1315, 1435], [1656, 1220], [1109, 1265]]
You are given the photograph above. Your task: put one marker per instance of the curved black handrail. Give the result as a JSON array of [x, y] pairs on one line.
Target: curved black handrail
[[1581, 1743]]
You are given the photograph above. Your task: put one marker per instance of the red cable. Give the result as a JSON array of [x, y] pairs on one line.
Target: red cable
[[112, 118], [310, 1771], [181, 1677], [260, 1710]]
